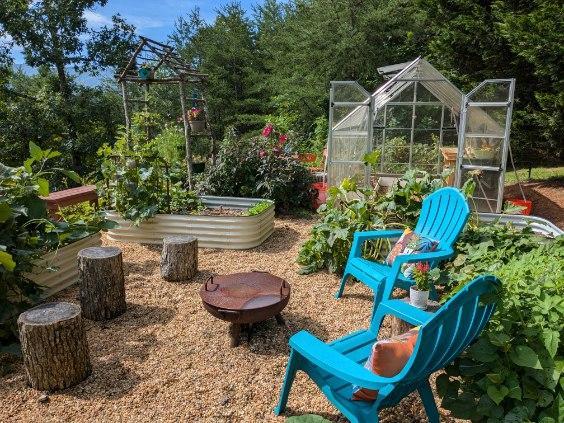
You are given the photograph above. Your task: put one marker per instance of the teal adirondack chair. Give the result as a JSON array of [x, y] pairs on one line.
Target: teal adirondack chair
[[443, 335], [444, 214]]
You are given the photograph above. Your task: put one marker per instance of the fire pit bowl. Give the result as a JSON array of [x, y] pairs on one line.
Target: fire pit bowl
[[245, 298]]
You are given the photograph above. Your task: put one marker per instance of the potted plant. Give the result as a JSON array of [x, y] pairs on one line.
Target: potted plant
[[145, 71], [197, 119], [419, 293]]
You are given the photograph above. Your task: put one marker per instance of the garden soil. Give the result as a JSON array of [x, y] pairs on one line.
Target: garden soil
[[167, 360], [547, 197]]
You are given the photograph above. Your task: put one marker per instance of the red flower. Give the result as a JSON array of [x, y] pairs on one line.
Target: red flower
[[282, 139], [262, 154], [423, 267], [267, 130]]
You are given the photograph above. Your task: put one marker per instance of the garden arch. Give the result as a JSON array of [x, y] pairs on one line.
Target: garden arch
[[156, 63]]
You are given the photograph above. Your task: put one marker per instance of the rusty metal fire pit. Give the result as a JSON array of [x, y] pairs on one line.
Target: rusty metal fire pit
[[245, 298]]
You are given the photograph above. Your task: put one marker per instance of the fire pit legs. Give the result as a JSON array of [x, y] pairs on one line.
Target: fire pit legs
[[279, 319], [235, 333]]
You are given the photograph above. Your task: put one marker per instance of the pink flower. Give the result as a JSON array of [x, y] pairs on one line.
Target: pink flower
[[282, 139], [267, 130], [423, 267], [262, 154]]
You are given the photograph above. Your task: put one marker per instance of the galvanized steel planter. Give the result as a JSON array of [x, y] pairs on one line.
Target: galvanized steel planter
[[230, 232], [64, 259]]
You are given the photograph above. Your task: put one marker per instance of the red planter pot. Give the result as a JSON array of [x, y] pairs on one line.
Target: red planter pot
[[522, 203], [321, 194]]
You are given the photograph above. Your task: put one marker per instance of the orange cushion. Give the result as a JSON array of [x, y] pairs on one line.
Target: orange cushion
[[388, 357]]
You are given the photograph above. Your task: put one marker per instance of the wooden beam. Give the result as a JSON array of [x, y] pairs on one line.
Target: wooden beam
[[187, 137], [132, 59]]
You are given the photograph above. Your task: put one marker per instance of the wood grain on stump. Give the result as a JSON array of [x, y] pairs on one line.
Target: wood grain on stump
[[179, 258], [54, 346], [102, 288], [398, 326]]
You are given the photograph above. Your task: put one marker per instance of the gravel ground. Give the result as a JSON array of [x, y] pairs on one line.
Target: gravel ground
[[167, 359]]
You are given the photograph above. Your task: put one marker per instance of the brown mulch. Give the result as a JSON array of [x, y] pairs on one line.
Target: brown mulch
[[167, 359], [547, 197]]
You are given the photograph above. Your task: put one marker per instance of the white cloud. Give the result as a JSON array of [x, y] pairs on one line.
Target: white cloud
[[95, 19], [143, 22]]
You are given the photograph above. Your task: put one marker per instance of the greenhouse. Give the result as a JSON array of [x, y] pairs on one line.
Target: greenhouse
[[414, 120]]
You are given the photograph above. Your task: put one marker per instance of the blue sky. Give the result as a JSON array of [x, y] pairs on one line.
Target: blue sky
[[154, 19]]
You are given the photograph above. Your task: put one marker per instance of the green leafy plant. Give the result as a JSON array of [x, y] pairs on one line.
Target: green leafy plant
[[26, 232], [484, 248], [350, 208], [258, 208], [146, 177], [513, 372]]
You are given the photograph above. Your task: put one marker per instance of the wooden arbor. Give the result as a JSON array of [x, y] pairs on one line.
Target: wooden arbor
[[156, 63]]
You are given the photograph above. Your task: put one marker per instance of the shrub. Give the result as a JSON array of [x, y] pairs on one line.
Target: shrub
[[513, 372], [26, 232], [260, 167]]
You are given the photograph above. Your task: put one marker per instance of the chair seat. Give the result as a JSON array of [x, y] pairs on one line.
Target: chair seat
[[373, 273]]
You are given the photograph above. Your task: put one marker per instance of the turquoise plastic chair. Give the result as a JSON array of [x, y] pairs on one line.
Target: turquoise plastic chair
[[444, 214], [336, 366]]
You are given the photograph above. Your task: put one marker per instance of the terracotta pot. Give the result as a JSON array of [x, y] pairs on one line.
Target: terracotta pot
[[418, 298]]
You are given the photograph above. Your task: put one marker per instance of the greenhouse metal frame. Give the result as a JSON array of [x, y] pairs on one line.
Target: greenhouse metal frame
[[410, 117]]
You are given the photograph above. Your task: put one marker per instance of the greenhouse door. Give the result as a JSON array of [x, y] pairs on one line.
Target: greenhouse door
[[484, 141], [350, 132]]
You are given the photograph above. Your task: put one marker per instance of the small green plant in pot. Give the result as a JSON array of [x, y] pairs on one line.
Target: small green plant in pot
[[419, 293]]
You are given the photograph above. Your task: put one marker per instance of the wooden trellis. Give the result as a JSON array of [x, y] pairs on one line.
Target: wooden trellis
[[166, 67]]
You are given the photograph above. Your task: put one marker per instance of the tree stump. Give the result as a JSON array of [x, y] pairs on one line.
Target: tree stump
[[398, 326], [179, 258], [54, 346], [102, 288]]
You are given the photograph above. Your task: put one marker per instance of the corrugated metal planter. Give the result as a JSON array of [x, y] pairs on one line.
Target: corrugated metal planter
[[64, 259], [230, 232]]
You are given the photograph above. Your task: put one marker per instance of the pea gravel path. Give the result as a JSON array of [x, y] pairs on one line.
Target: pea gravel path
[[166, 359]]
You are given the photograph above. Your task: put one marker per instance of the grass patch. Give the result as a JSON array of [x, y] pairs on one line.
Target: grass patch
[[537, 174]]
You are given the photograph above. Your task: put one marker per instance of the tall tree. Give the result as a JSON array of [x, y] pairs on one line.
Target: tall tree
[[226, 51], [473, 40], [54, 33]]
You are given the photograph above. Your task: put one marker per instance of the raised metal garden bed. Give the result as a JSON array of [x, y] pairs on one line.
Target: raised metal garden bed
[[229, 232], [64, 260]]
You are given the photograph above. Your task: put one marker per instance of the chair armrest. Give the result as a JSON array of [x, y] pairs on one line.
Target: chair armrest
[[325, 357], [405, 312], [361, 237], [437, 255]]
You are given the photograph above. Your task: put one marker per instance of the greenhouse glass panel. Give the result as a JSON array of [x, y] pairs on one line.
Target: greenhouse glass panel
[[350, 132], [484, 142]]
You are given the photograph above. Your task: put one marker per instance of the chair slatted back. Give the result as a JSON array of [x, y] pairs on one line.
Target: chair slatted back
[[443, 216], [452, 328]]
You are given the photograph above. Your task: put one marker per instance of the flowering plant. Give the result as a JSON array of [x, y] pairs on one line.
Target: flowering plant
[[276, 140], [421, 276], [196, 114]]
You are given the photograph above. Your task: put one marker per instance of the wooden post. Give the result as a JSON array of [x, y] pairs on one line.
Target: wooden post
[[54, 346], [102, 289], [186, 134], [179, 258], [126, 112]]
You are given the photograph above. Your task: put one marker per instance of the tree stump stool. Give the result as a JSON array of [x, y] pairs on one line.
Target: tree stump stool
[[179, 258], [54, 346], [398, 326], [102, 288]]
